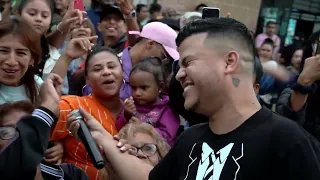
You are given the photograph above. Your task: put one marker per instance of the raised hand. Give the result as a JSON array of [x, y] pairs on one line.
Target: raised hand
[[126, 6], [78, 47], [129, 108], [311, 70], [72, 16], [50, 92]]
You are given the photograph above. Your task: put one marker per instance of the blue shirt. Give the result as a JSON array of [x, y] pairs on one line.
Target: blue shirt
[[94, 16]]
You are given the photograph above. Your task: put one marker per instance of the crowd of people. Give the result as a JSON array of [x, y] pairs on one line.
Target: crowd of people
[[164, 95]]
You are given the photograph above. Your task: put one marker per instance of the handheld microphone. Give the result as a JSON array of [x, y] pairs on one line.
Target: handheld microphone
[[88, 142]]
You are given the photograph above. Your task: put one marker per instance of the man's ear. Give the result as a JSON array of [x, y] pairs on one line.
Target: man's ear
[[232, 61], [256, 88]]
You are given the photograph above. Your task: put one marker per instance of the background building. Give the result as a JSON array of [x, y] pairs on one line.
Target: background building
[[295, 18], [246, 11]]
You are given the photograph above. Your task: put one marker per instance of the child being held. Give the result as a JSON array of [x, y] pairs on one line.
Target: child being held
[[148, 103]]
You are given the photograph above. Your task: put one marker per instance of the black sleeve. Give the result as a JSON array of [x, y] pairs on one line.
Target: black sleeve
[[303, 161], [24, 153], [283, 107], [167, 167]]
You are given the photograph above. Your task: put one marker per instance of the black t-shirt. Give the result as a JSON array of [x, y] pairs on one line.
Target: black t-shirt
[[266, 146]]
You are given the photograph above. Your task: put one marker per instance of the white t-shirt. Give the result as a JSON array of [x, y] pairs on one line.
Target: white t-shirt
[[14, 94]]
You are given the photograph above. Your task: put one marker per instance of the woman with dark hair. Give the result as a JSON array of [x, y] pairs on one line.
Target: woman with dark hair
[[301, 101], [103, 72], [19, 55]]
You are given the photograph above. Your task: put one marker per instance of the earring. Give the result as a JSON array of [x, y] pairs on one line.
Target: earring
[[31, 66]]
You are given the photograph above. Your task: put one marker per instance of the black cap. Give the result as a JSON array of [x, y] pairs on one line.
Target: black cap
[[112, 9]]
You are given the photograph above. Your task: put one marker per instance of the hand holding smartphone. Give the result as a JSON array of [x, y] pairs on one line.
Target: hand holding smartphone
[[78, 4]]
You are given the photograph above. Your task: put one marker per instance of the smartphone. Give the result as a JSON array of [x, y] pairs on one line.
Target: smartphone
[[210, 12], [78, 4]]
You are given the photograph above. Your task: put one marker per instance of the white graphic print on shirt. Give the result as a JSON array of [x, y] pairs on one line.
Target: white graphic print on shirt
[[212, 163]]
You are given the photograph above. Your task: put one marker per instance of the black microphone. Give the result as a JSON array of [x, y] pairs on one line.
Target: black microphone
[[88, 142]]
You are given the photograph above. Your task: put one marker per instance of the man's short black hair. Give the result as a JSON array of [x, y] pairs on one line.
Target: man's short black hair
[[112, 9], [155, 8], [140, 6], [270, 23], [225, 33]]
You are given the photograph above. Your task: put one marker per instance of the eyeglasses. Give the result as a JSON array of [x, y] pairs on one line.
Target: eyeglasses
[[7, 133], [147, 149]]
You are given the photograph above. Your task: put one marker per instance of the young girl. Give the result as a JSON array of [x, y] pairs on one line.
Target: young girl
[[148, 104]]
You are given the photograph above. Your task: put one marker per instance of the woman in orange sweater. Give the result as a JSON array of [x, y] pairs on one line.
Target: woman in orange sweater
[[104, 74]]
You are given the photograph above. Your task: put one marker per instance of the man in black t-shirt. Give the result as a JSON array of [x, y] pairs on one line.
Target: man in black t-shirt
[[242, 140]]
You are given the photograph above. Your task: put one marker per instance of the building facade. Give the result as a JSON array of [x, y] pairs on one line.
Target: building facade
[[296, 19], [246, 11]]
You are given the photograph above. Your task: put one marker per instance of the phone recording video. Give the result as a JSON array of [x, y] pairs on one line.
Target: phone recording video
[[210, 12], [78, 4]]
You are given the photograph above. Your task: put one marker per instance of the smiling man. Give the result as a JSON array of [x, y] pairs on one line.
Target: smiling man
[[113, 28], [242, 139]]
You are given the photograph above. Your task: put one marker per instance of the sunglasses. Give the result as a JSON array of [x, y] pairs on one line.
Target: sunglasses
[[7, 133], [147, 149]]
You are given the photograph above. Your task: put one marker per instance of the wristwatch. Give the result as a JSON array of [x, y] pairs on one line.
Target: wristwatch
[[304, 89], [131, 15]]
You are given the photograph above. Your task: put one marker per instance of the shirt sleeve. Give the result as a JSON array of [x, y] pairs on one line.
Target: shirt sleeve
[[284, 108], [26, 150], [259, 41], [277, 45], [121, 120], [168, 125]]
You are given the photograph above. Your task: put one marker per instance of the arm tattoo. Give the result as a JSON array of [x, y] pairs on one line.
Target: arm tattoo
[[235, 82]]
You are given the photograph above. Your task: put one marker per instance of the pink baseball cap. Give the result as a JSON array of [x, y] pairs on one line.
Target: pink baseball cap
[[162, 34]]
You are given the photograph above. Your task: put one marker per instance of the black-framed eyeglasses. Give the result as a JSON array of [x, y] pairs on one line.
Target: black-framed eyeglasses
[[7, 132], [147, 149]]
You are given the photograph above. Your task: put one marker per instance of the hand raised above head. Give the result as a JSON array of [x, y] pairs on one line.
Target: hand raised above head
[[72, 16], [78, 47], [50, 92], [311, 70]]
